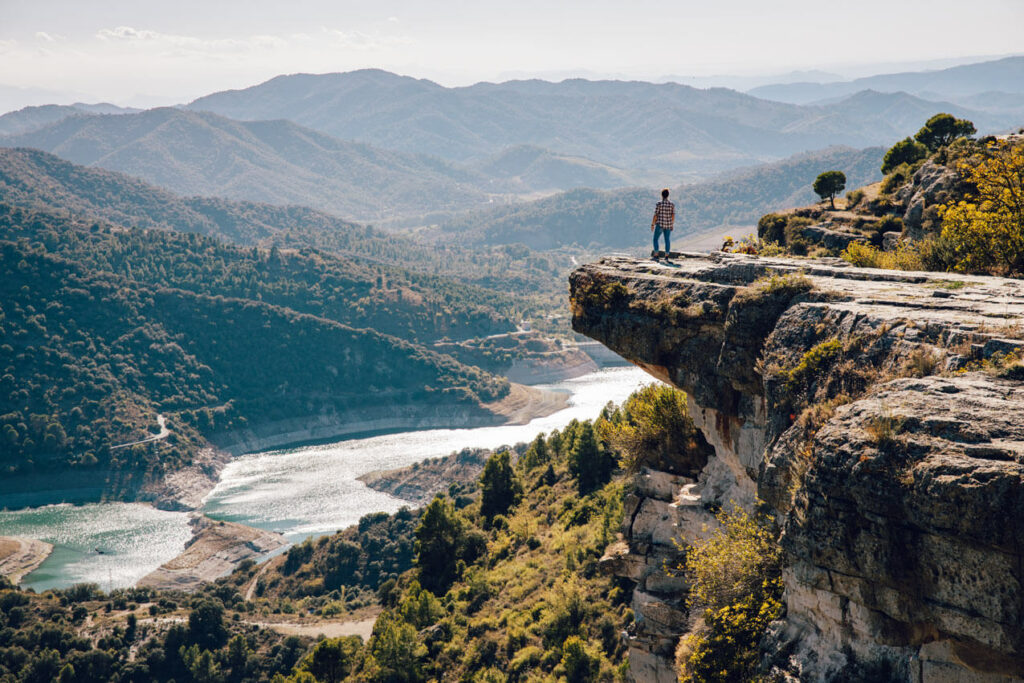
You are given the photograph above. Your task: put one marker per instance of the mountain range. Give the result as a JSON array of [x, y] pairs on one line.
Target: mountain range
[[668, 128], [374, 147], [968, 83], [34, 118], [280, 162]]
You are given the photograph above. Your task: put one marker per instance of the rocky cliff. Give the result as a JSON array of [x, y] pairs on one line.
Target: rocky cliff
[[877, 413]]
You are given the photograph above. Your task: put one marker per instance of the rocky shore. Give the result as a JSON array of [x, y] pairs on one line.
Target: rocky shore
[[215, 550]]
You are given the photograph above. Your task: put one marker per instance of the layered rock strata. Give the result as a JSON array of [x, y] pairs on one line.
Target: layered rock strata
[[878, 414]]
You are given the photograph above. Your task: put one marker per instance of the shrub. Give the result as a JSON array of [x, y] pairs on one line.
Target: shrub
[[854, 198], [987, 234], [653, 428], [774, 285], [811, 364], [896, 179], [579, 661], [735, 576], [771, 228]]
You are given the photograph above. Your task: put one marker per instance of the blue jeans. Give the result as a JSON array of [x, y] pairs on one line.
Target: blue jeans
[[658, 232]]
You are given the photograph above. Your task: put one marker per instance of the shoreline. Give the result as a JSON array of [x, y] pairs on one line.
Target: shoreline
[[215, 550], [217, 547], [21, 556], [184, 490]]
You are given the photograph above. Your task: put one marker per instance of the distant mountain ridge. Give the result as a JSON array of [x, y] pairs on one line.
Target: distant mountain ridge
[[279, 162], [668, 127], [33, 118], [998, 76]]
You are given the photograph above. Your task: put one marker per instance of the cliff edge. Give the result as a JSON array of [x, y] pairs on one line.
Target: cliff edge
[[876, 412]]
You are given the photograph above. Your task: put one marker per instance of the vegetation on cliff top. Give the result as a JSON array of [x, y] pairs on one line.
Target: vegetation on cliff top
[[955, 203]]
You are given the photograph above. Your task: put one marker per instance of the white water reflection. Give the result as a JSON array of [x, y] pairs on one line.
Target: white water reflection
[[314, 490], [300, 492]]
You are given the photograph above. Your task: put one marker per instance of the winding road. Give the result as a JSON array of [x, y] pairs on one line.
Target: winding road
[[164, 431]]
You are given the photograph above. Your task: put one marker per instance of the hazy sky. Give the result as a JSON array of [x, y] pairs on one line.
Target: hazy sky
[[140, 51]]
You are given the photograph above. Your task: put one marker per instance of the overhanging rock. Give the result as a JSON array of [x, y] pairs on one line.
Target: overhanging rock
[[867, 408]]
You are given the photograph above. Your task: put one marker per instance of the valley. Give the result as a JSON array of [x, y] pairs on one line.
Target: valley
[[360, 376]]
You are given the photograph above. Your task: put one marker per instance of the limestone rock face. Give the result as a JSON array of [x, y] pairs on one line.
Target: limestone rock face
[[932, 184], [846, 399], [833, 239]]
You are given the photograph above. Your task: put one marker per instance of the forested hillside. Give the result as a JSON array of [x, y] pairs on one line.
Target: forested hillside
[[90, 356], [276, 162], [360, 294], [38, 180], [619, 218]]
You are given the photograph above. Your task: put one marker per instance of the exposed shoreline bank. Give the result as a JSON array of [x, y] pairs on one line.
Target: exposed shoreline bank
[[21, 556], [216, 548], [184, 490]]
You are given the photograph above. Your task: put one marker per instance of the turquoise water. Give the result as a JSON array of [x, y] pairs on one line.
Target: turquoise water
[[111, 544], [313, 490], [299, 492]]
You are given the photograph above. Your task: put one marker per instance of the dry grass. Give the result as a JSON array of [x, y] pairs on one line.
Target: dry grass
[[8, 547], [884, 428]]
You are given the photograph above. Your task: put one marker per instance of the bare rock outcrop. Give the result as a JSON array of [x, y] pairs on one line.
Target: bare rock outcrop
[[866, 408], [931, 185]]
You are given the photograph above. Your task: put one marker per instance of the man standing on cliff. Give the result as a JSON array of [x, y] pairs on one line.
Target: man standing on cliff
[[662, 223]]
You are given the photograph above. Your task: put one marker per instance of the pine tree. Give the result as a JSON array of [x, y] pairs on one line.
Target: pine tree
[[501, 487]]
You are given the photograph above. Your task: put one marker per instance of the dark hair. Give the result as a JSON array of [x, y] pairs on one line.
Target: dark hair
[[664, 193]]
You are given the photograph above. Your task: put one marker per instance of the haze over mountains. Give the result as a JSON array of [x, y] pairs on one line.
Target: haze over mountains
[[961, 84], [376, 147]]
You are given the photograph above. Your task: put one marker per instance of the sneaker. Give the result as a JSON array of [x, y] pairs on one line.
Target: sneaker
[[656, 255]]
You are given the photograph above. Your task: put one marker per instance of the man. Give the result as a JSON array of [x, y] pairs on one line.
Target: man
[[662, 223]]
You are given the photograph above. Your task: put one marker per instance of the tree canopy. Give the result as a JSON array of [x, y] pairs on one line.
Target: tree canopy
[[942, 129], [500, 487], [829, 184], [906, 151]]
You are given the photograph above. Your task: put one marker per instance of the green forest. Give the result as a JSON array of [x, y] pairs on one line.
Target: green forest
[[497, 579], [91, 350]]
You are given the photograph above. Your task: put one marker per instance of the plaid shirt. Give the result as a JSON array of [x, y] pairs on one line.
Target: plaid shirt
[[665, 214]]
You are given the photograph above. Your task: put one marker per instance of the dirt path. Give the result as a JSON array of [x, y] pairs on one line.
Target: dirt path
[[330, 629], [252, 584], [164, 431]]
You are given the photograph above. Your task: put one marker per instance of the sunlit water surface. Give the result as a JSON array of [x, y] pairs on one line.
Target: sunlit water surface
[[299, 492], [111, 544]]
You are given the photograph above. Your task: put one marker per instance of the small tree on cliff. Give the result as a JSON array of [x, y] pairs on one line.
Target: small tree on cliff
[[829, 184], [942, 129], [500, 486], [905, 151]]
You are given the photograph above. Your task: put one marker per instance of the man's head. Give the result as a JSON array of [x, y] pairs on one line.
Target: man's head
[[664, 193]]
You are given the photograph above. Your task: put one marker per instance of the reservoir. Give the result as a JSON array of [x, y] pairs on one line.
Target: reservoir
[[299, 492]]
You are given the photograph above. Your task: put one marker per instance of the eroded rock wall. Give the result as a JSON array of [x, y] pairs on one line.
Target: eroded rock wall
[[901, 497]]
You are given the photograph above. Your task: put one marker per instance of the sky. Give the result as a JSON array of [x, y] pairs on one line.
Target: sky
[[146, 53]]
